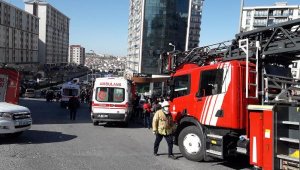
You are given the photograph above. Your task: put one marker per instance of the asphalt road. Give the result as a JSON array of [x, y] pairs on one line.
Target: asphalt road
[[54, 142]]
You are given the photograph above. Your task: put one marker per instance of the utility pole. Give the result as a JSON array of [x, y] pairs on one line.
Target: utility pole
[[241, 15]]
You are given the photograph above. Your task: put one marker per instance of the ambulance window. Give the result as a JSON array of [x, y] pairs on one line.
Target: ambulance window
[[118, 95], [211, 82], [110, 94], [181, 85], [102, 94]]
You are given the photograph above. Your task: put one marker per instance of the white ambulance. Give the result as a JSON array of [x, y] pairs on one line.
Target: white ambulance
[[112, 100], [68, 90]]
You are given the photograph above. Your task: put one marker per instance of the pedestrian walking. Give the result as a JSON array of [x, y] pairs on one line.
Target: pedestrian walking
[[147, 112], [163, 127], [73, 105]]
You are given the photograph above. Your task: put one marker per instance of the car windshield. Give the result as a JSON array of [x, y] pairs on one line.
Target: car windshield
[[110, 94]]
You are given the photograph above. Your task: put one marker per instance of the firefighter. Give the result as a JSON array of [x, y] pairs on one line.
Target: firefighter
[[163, 126]]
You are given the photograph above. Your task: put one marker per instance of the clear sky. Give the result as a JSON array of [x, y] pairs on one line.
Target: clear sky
[[102, 25]]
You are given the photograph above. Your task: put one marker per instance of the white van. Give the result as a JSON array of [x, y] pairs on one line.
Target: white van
[[112, 100], [67, 91]]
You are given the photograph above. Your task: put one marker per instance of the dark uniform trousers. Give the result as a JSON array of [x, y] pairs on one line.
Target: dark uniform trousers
[[169, 139]]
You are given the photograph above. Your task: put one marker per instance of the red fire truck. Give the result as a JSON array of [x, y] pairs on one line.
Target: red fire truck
[[239, 97]]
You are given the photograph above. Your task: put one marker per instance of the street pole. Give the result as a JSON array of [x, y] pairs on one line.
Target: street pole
[[241, 15]]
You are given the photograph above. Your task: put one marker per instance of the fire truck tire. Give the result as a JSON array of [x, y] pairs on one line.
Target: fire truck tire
[[191, 143], [95, 123]]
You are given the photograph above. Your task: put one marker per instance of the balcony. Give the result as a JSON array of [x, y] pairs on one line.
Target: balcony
[[260, 24]]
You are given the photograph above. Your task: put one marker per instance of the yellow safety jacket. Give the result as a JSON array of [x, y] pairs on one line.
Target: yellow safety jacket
[[162, 123]]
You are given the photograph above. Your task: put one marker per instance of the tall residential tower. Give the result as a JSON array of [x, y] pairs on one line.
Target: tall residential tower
[[53, 33], [76, 55], [157, 26]]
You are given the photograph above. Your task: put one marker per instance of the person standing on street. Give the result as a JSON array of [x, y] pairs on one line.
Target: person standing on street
[[163, 126], [73, 105], [147, 112]]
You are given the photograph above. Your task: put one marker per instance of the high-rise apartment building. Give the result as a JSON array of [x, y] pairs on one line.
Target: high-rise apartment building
[[262, 16], [19, 32], [159, 26], [76, 55], [53, 33]]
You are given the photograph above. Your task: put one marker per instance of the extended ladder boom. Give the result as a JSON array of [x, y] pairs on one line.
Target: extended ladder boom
[[279, 43]]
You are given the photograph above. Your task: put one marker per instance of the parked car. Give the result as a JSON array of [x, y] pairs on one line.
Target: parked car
[[29, 93], [14, 119]]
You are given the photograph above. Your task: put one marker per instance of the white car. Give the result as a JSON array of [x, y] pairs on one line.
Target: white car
[[14, 119]]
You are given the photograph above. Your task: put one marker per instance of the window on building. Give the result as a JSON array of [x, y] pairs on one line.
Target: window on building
[[248, 13], [247, 21]]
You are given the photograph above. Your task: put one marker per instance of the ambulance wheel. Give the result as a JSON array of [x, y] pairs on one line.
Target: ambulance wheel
[[191, 143], [95, 123]]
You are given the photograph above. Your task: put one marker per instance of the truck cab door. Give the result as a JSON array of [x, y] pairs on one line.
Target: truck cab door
[[180, 95], [211, 92]]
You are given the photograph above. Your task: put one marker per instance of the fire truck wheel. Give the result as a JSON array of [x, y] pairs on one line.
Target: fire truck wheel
[[95, 123], [191, 143]]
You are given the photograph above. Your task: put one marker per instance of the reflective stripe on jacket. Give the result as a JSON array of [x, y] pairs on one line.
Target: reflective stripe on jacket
[[163, 123]]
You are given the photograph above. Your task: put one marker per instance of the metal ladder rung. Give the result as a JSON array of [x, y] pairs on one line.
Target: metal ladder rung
[[286, 157], [252, 97], [290, 123], [252, 71], [214, 152], [289, 140], [251, 84]]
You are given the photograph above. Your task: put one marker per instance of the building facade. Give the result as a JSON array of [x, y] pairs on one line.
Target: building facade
[[262, 16], [19, 32], [76, 55], [157, 26], [53, 33]]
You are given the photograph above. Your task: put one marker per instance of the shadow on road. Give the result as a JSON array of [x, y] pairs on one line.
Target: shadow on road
[[37, 137], [51, 113], [131, 125], [241, 162]]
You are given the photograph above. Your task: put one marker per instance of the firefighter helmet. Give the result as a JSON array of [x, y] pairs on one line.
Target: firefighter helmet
[[165, 104]]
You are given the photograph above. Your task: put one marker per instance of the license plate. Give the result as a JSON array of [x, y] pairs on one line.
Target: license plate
[[22, 122], [104, 116]]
